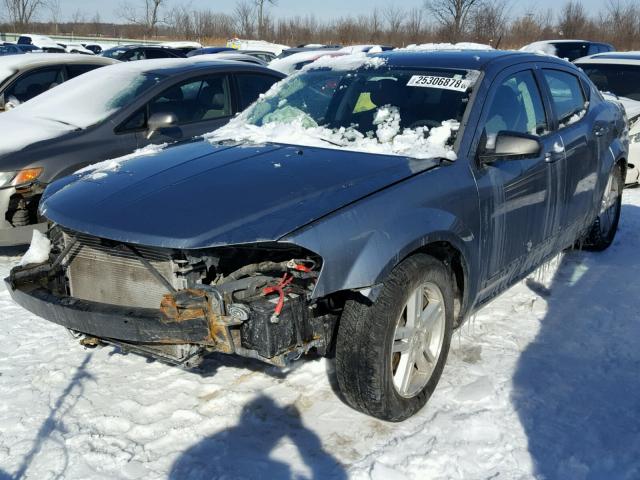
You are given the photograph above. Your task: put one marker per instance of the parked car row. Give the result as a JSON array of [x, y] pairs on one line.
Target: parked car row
[[364, 207]]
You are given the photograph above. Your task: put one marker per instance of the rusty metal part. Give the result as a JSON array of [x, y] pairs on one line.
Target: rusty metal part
[[193, 303]]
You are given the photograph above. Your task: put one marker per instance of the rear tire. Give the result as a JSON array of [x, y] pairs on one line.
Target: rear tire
[[604, 228], [390, 354]]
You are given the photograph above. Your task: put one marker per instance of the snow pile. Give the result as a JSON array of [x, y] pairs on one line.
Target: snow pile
[[447, 46], [39, 249], [291, 126], [541, 48], [101, 169]]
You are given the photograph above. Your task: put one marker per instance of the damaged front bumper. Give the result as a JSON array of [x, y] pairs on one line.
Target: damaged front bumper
[[197, 317]]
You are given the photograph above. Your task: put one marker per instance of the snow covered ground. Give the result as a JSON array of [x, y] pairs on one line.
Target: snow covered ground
[[542, 383]]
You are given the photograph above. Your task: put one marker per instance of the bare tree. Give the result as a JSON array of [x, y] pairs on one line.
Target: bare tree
[[148, 16], [414, 25], [394, 17], [453, 15], [21, 12], [260, 4], [54, 10], [243, 14], [489, 24], [573, 20]]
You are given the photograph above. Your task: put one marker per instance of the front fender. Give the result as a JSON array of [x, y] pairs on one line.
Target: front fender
[[362, 243]]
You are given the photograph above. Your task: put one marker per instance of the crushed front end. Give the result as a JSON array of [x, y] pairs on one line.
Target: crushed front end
[[250, 300]]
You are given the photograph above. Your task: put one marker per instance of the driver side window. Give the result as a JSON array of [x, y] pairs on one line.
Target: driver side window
[[517, 107]]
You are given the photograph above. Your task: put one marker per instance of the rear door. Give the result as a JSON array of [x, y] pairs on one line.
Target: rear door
[[518, 198], [579, 136]]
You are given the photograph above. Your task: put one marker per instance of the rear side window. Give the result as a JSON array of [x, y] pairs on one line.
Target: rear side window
[[251, 85], [517, 107], [567, 95], [75, 70], [24, 41], [34, 83], [132, 55], [195, 100]]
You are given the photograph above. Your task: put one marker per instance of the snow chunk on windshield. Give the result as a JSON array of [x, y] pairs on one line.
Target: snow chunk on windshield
[[388, 139], [38, 250], [102, 169], [447, 46]]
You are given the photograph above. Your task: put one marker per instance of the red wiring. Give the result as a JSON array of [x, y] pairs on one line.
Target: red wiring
[[279, 289]]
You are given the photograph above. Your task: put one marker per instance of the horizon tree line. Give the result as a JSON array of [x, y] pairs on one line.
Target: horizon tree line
[[481, 21]]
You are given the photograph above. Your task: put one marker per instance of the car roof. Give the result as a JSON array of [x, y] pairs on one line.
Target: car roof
[[18, 62], [627, 57], [176, 66], [462, 59]]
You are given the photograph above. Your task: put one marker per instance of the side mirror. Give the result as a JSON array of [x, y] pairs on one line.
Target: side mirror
[[160, 121], [510, 146]]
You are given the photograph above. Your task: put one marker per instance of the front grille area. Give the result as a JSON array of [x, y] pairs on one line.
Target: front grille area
[[100, 272]]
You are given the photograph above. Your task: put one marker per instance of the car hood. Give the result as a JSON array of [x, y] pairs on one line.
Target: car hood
[[199, 195], [20, 131]]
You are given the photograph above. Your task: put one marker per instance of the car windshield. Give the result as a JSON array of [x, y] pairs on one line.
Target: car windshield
[[90, 98], [386, 110], [621, 80]]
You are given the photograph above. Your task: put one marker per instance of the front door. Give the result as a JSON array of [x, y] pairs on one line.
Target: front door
[[518, 198]]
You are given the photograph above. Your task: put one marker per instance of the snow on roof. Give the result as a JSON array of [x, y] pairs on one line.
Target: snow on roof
[[287, 64], [195, 45], [341, 62], [447, 46], [274, 48], [541, 48]]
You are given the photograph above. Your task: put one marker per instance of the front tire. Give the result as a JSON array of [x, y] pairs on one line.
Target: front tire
[[605, 226], [390, 354]]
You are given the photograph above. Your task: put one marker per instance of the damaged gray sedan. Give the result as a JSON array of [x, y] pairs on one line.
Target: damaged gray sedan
[[364, 207]]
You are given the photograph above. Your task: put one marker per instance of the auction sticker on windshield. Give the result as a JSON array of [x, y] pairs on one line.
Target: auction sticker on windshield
[[446, 83]]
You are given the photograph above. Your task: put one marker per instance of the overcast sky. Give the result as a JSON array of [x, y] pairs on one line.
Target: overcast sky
[[324, 9]]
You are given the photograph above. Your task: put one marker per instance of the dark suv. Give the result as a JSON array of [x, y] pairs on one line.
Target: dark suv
[[128, 53], [367, 207]]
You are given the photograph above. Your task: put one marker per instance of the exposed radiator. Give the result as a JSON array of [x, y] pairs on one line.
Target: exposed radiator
[[101, 273]]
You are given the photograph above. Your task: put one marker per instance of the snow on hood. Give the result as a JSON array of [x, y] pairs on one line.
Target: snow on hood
[[102, 169], [447, 46], [541, 48], [19, 130]]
